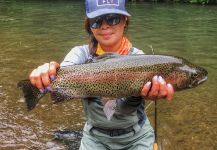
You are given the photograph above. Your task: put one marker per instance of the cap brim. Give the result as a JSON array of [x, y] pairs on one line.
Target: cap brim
[[106, 11]]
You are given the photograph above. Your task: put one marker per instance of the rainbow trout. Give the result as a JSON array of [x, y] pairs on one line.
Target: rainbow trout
[[116, 76]]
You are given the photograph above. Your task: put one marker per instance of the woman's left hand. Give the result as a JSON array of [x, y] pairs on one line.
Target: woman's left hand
[[157, 89]]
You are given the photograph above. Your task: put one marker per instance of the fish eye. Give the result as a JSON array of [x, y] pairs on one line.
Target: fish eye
[[194, 75]]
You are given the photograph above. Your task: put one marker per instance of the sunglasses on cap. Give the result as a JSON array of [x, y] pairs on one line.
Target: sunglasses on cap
[[110, 19]]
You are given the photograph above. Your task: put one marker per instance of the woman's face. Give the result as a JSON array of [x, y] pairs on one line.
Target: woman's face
[[107, 35]]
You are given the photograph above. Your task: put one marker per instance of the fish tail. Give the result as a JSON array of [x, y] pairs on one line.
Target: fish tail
[[31, 94]]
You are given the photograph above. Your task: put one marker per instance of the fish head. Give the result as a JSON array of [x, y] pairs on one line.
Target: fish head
[[196, 75], [189, 76]]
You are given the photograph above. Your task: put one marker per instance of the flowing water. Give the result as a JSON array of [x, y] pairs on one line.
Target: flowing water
[[35, 32]]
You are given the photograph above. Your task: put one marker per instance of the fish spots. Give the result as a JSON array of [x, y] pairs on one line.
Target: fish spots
[[120, 76]]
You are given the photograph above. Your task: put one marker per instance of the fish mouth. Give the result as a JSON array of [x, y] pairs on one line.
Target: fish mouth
[[202, 80], [198, 82]]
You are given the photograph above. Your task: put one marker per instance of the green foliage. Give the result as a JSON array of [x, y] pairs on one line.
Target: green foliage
[[199, 1], [203, 2]]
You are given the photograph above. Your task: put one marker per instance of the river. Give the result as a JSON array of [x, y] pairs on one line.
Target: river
[[35, 32]]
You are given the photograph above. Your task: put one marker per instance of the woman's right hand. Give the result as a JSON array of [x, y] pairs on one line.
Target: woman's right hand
[[42, 76]]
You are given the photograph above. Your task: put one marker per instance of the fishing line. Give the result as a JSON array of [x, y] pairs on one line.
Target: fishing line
[[155, 120], [155, 146], [146, 108], [151, 49]]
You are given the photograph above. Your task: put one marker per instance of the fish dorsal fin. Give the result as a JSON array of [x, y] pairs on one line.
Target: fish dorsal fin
[[105, 56]]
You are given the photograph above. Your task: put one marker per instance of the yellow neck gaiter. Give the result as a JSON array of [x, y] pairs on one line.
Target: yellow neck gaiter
[[123, 49]]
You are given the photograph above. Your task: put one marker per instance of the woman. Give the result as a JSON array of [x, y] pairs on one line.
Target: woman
[[129, 128]]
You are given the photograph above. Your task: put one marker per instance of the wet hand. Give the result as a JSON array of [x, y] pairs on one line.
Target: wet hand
[[157, 89], [41, 77]]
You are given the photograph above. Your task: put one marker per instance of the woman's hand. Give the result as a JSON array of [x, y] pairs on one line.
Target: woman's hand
[[41, 77], [157, 89]]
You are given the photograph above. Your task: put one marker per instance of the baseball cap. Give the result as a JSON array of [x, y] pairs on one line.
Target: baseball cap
[[95, 8]]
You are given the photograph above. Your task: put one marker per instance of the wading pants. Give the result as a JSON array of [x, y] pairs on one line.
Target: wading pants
[[142, 138]]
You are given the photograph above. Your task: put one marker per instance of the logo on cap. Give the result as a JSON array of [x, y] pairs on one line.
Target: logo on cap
[[107, 2]]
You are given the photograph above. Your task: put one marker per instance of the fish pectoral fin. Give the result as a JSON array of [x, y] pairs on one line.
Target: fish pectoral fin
[[58, 97], [109, 108], [104, 100]]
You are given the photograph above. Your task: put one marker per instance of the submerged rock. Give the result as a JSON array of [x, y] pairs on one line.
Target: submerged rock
[[70, 138]]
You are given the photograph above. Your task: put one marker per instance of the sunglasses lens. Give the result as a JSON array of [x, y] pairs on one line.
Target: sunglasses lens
[[113, 19], [96, 22], [110, 19]]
